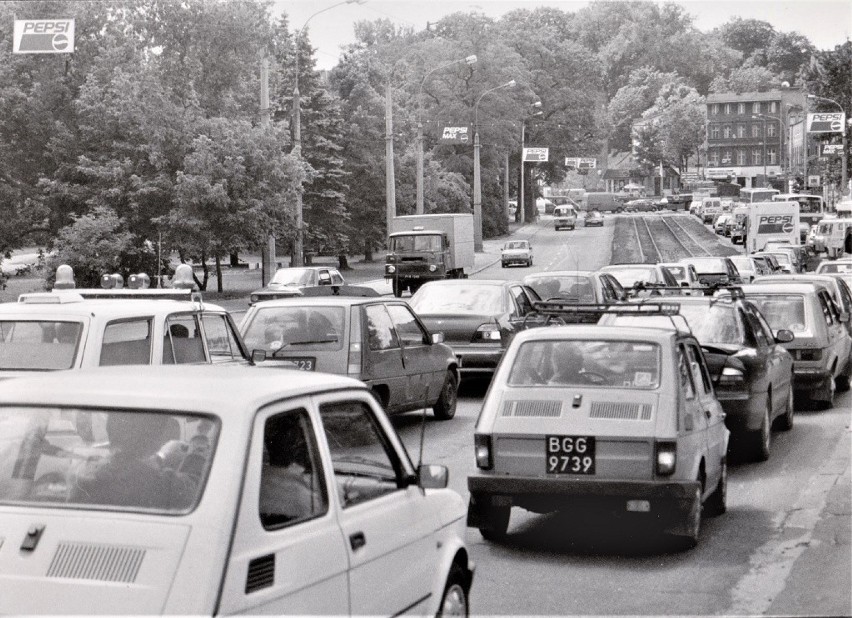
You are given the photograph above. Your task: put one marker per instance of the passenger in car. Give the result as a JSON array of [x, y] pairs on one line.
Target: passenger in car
[[568, 364]]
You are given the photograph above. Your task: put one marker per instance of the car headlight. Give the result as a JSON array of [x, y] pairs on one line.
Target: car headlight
[[432, 268], [390, 269]]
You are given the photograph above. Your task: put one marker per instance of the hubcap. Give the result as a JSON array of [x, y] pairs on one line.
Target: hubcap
[[454, 603]]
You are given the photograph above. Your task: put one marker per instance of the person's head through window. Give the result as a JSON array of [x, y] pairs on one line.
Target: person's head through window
[[567, 363], [179, 331], [66, 332], [136, 436]]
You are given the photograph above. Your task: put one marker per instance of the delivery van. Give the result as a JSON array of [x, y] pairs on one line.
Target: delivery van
[[767, 221]]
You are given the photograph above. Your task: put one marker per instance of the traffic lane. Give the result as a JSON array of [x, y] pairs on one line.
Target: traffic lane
[[608, 560]]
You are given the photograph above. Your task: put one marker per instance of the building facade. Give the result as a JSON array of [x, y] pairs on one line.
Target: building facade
[[748, 136]]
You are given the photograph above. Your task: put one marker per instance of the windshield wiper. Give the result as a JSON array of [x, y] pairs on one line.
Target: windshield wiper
[[294, 343]]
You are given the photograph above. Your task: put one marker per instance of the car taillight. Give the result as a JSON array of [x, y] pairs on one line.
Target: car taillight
[[482, 445], [731, 375], [666, 458], [807, 355], [353, 362], [487, 332]]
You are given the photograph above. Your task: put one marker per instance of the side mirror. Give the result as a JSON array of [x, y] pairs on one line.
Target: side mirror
[[844, 316], [784, 336], [258, 356], [432, 476], [437, 337]]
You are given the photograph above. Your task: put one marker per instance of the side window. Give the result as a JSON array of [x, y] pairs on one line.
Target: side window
[[292, 486], [183, 342], [699, 369], [615, 286], [524, 304], [364, 463], [221, 339], [845, 294], [380, 332], [336, 278], [407, 328], [127, 342], [686, 381], [825, 305]]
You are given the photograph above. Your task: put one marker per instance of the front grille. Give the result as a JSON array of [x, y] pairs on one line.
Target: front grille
[[621, 411], [100, 562], [532, 408]]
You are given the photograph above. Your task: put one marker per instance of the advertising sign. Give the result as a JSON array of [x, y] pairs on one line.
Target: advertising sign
[[43, 36], [826, 123], [455, 135], [813, 181], [832, 149], [536, 155], [782, 224], [581, 163]]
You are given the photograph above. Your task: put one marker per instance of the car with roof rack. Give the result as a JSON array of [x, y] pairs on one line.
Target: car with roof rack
[[751, 371], [73, 328], [619, 421], [577, 286], [210, 490], [644, 279]]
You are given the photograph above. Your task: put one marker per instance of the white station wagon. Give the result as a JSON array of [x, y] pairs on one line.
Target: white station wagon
[[218, 490]]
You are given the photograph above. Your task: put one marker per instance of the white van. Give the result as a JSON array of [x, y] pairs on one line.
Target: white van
[[832, 236], [564, 216]]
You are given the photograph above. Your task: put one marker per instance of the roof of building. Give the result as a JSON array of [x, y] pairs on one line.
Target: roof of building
[[735, 97]]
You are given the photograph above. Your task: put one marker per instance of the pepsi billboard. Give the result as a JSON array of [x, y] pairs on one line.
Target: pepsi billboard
[[43, 36]]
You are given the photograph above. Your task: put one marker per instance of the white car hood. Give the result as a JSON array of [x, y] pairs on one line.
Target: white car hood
[[516, 251], [118, 564]]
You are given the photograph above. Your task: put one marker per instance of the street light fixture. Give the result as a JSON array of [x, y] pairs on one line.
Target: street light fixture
[[535, 106], [297, 136], [468, 60], [843, 172], [477, 180]]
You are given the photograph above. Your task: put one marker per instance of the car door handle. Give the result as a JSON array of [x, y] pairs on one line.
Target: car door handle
[[357, 540]]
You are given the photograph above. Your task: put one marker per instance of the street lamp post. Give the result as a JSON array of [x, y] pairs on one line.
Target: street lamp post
[[477, 180], [843, 172], [419, 203], [766, 117], [297, 136], [521, 205]]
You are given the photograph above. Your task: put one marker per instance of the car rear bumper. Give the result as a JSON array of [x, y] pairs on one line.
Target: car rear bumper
[[476, 359], [743, 410], [514, 259], [807, 380]]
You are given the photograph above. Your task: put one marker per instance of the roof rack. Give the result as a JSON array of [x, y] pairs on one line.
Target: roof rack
[[735, 291], [551, 310]]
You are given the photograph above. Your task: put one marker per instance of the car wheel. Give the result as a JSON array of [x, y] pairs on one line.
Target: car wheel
[[529, 262], [693, 520], [760, 439], [842, 381], [717, 503], [785, 422], [397, 288], [454, 602], [445, 407], [828, 402], [495, 522]]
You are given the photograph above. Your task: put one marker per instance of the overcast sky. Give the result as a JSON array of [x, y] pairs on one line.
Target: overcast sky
[[825, 22]]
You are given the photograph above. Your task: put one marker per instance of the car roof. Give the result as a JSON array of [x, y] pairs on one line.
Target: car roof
[[629, 265], [320, 267], [106, 308], [595, 333], [561, 273], [325, 301], [223, 390], [781, 288], [469, 282]]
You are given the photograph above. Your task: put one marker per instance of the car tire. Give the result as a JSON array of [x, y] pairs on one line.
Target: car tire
[[529, 262], [842, 382], [785, 421], [454, 601], [445, 408], [495, 522], [760, 440], [693, 520], [828, 402], [397, 288], [717, 503]]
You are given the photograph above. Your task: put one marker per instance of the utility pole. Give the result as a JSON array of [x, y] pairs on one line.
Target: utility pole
[[267, 259], [390, 181]]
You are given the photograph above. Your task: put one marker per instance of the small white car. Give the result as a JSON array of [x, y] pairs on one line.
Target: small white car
[[564, 216], [516, 252], [218, 490]]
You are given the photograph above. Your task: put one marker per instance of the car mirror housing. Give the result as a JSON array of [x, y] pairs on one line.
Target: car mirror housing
[[784, 336], [844, 317], [437, 337], [258, 356], [432, 476]]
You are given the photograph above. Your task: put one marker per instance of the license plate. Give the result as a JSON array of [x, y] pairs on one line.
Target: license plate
[[305, 364], [570, 454]]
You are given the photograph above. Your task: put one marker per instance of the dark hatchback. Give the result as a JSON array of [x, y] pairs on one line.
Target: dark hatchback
[[478, 318], [581, 287], [714, 270], [752, 373], [289, 282]]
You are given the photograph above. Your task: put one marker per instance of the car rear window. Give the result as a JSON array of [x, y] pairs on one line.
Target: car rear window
[[834, 268], [469, 298], [627, 277], [709, 267], [292, 276], [33, 345], [295, 326], [115, 460], [598, 363], [578, 289], [785, 311]]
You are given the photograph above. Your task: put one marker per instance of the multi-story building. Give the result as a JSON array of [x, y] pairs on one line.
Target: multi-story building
[[747, 136]]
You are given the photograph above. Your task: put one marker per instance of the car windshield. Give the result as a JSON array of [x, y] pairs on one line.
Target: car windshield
[[576, 288], [416, 242], [742, 262], [115, 460], [782, 311], [709, 266], [604, 363], [33, 345], [293, 276], [517, 244], [294, 327], [834, 267], [678, 272], [469, 298], [782, 257], [627, 277]]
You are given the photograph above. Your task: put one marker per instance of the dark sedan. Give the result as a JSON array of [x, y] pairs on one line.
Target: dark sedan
[[580, 287], [752, 373], [478, 318], [641, 205], [714, 270]]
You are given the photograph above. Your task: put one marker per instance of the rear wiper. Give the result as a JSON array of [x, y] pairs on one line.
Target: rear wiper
[[294, 343]]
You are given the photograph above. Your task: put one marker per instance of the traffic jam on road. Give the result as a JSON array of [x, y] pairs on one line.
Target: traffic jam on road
[[624, 394]]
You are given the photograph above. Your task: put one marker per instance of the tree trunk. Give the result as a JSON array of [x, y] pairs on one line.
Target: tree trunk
[[368, 251], [202, 284], [234, 259], [218, 274], [342, 262]]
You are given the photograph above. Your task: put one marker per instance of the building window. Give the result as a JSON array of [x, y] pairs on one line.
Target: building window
[[741, 157], [770, 130], [755, 130], [756, 107], [726, 131], [741, 108], [726, 158], [727, 108], [714, 158], [715, 109], [772, 156], [773, 107], [714, 131], [757, 156], [741, 131]]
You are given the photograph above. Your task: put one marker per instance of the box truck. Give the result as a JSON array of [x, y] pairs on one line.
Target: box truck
[[424, 248], [778, 221]]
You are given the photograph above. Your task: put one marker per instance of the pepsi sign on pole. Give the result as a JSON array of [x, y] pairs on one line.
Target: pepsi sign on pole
[[455, 135], [535, 155], [43, 36], [826, 123]]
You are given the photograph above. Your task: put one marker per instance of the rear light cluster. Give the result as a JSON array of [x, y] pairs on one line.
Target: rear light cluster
[[482, 446], [731, 375], [807, 355], [666, 458], [353, 362], [487, 332]]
